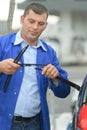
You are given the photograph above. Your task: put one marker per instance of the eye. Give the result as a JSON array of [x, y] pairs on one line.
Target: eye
[[31, 21], [41, 23]]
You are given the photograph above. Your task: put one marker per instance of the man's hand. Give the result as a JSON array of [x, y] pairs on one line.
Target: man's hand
[[8, 66], [50, 71]]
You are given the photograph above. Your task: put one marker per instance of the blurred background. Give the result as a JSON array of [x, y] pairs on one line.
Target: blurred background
[[67, 34]]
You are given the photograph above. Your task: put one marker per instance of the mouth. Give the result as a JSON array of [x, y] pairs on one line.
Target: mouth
[[34, 33]]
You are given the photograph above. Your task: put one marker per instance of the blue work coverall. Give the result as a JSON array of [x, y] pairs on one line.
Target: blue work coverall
[[8, 100]]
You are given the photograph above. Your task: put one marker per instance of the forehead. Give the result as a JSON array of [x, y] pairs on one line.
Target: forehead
[[32, 15]]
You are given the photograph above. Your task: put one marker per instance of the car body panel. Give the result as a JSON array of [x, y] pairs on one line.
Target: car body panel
[[80, 108]]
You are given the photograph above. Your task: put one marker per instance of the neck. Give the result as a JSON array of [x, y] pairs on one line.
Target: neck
[[30, 41]]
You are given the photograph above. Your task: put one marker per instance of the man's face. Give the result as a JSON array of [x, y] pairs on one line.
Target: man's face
[[32, 26]]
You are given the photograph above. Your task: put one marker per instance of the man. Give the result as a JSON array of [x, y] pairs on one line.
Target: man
[[23, 105]]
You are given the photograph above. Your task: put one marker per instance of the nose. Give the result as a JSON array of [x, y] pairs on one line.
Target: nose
[[35, 26]]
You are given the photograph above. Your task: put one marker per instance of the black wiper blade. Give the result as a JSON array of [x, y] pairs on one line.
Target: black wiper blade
[[20, 54], [69, 82], [27, 64], [65, 80], [15, 60]]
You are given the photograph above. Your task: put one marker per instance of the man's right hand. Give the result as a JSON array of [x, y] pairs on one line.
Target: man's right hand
[[8, 66]]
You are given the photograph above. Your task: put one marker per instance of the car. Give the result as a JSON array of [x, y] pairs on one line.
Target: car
[[79, 119]]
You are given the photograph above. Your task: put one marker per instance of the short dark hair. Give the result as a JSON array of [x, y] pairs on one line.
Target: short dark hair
[[37, 8]]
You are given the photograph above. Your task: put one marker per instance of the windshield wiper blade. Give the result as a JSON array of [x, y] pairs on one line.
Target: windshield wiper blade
[[65, 80], [69, 82], [30, 64], [15, 61]]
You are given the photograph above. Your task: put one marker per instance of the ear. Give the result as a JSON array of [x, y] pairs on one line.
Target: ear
[[21, 19]]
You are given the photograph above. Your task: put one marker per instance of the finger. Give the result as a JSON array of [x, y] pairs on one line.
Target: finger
[[45, 69], [51, 73]]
